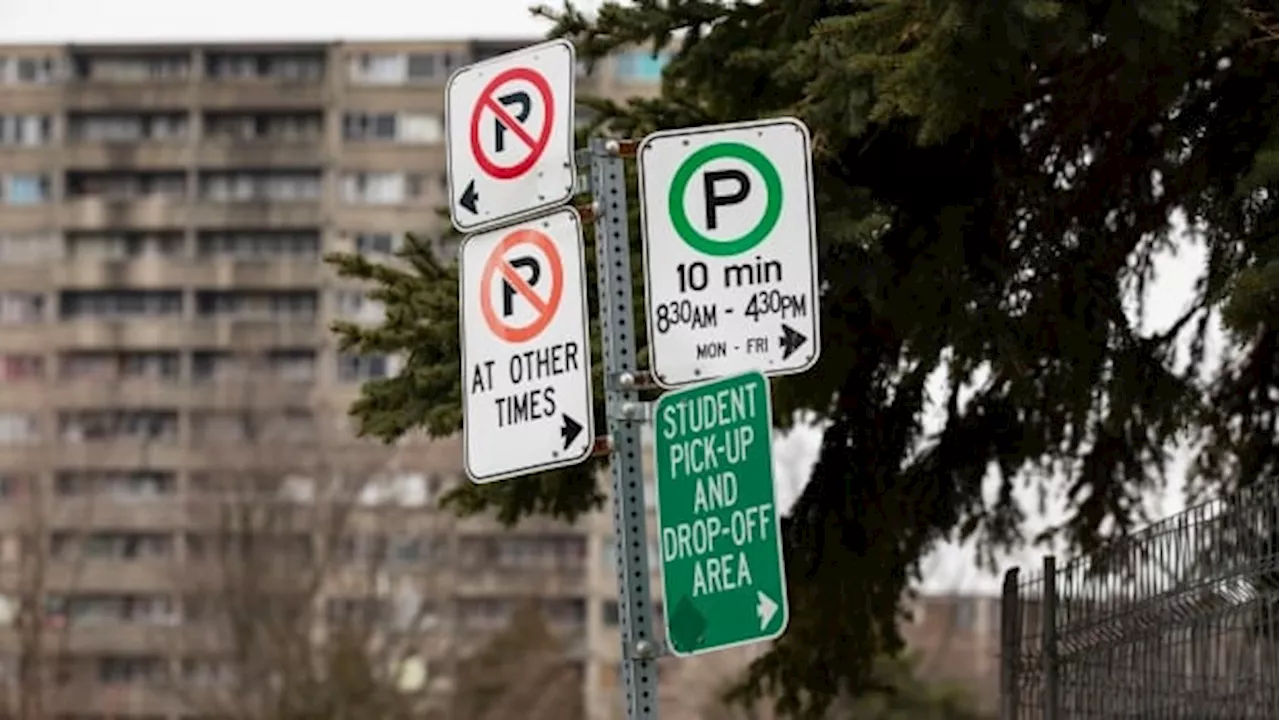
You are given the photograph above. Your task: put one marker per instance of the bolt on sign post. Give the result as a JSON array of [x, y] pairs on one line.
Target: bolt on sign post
[[526, 351], [722, 568], [509, 135], [730, 250]]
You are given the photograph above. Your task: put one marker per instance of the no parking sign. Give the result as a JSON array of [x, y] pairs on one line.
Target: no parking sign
[[510, 135]]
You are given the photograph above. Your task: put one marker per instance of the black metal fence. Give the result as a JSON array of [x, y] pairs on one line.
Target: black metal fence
[[1175, 622]]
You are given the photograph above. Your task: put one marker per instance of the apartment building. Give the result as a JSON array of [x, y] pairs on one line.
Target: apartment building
[[163, 214]]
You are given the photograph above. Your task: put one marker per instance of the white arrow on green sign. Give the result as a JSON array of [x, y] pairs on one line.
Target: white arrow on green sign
[[722, 572]]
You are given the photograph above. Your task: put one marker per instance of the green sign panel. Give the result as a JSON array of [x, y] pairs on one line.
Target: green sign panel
[[722, 575]]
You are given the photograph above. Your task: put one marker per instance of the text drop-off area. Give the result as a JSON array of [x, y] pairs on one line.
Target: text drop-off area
[[709, 436]]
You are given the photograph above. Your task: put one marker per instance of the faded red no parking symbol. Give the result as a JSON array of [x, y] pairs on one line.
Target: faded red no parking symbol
[[505, 121], [516, 286]]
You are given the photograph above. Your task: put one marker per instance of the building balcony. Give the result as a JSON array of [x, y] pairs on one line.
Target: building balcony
[[140, 514], [25, 457], [259, 214], [108, 636], [84, 696], [178, 332], [143, 272], [123, 155], [263, 93], [529, 581], [27, 278], [28, 395], [119, 392], [107, 94], [113, 576], [264, 274], [390, 157], [32, 99], [124, 453], [237, 333], [28, 218], [228, 153], [24, 335], [27, 159], [97, 213], [156, 271]]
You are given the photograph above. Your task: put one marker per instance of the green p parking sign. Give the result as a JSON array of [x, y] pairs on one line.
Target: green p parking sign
[[684, 175], [730, 270], [722, 571]]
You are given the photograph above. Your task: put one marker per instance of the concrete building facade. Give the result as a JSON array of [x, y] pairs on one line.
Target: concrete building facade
[[164, 211]]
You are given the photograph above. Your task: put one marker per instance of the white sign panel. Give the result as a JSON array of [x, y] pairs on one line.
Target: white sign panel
[[509, 128], [526, 355], [730, 250]]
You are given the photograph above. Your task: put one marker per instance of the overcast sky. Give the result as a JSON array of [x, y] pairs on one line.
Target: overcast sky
[[59, 21], [170, 20]]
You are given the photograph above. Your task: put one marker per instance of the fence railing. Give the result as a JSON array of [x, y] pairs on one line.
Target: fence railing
[[1177, 621]]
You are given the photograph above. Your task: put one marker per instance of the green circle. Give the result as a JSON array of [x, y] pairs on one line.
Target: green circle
[[753, 237]]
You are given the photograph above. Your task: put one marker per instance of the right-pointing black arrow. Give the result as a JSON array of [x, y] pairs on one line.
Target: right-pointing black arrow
[[790, 341], [469, 197], [570, 430]]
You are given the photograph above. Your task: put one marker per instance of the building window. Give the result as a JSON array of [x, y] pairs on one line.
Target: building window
[[13, 486], [609, 612], [356, 306], [378, 68], [358, 368], [433, 67], [21, 367], [118, 486], [640, 66], [25, 130], [138, 670], [18, 428], [125, 185], [382, 188], [25, 190], [29, 70], [409, 128], [145, 426], [107, 365], [248, 304], [274, 186], [138, 68], [124, 246], [377, 243], [249, 66], [117, 304], [290, 126], [260, 244], [21, 308], [291, 366], [963, 614], [28, 248], [118, 127], [609, 555], [103, 609]]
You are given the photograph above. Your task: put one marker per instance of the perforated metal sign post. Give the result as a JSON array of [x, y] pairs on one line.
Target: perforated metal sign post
[[730, 248], [613, 255], [526, 348], [509, 135]]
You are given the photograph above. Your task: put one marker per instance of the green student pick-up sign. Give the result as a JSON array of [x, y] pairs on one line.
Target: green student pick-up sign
[[722, 575]]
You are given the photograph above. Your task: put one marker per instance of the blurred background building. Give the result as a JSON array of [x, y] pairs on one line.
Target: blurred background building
[[164, 313]]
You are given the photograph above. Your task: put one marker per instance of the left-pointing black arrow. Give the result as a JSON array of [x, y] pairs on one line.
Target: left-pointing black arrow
[[469, 197], [570, 430]]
